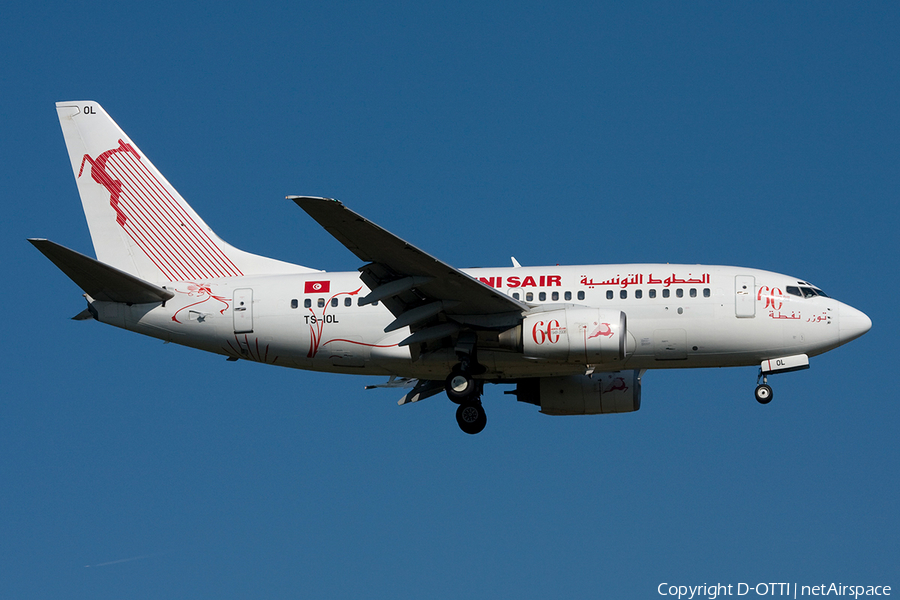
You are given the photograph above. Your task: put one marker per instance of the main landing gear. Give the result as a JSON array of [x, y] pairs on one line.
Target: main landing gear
[[763, 390], [465, 390], [470, 417], [462, 387]]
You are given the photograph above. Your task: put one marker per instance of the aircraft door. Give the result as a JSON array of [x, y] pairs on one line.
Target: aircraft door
[[744, 300], [243, 310]]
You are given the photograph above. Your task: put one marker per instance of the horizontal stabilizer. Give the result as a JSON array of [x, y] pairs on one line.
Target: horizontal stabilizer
[[99, 280]]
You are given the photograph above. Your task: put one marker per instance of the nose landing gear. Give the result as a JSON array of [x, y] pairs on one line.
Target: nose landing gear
[[763, 390], [781, 364]]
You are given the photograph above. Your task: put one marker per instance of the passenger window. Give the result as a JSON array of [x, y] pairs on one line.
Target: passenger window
[[321, 303], [294, 303], [334, 301], [307, 303], [638, 294], [516, 295], [581, 295], [568, 295], [623, 294], [679, 292], [348, 301], [529, 297], [706, 292], [666, 293], [542, 296], [693, 292], [652, 293], [554, 296], [609, 294]]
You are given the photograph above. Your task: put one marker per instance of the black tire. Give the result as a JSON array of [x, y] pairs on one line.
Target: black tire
[[763, 393], [460, 386], [471, 417]]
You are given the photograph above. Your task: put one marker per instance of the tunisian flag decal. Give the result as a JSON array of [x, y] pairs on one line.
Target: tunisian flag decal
[[317, 287]]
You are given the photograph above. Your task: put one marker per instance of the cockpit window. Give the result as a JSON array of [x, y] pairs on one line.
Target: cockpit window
[[805, 292]]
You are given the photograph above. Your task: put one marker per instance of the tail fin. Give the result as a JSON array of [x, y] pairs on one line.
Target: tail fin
[[138, 222]]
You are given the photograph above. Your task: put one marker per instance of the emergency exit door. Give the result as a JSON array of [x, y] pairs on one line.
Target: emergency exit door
[[243, 310]]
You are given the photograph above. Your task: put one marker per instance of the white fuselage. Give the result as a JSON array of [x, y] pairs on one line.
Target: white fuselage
[[678, 316], [574, 340]]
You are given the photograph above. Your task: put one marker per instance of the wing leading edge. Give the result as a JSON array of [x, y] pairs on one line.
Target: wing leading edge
[[434, 299]]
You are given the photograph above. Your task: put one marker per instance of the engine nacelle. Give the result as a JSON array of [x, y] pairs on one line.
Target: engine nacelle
[[600, 393], [579, 334]]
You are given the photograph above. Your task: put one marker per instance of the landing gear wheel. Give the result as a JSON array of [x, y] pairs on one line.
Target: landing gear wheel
[[460, 386], [763, 393], [471, 417]]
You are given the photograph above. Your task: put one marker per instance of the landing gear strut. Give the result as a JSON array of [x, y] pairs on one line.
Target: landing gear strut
[[463, 389], [763, 390]]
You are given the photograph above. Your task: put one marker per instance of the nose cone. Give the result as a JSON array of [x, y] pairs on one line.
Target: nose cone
[[853, 324]]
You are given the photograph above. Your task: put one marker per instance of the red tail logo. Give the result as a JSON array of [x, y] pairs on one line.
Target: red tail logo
[[157, 221], [99, 174]]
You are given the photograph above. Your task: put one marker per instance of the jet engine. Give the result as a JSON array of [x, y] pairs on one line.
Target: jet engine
[[600, 393], [580, 335]]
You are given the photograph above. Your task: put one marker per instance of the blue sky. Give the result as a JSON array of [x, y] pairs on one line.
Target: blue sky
[[763, 135]]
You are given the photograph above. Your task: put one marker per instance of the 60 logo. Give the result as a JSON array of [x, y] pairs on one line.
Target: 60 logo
[[548, 332], [774, 297]]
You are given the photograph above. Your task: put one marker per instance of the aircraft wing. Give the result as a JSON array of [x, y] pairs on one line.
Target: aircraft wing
[[424, 293]]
